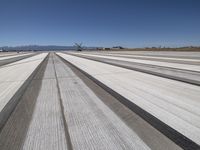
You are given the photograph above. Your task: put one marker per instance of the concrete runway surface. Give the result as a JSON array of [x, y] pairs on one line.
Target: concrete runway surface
[[4, 54], [60, 101], [169, 69], [9, 59]]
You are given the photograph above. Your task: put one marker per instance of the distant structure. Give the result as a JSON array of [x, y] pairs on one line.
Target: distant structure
[[79, 46], [118, 47], [113, 48], [99, 48], [106, 48]]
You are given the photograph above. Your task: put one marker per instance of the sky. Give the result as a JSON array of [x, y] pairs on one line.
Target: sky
[[107, 23]]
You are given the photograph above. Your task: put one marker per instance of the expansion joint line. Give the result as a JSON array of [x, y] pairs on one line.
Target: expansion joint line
[[67, 136]]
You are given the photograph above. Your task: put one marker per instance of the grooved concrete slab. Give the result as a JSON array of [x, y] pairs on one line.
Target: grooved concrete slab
[[167, 72], [46, 129], [175, 103], [189, 67], [14, 75], [13, 56], [90, 123]]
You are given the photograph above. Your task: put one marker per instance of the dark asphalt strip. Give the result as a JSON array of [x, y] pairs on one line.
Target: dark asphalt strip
[[169, 132]]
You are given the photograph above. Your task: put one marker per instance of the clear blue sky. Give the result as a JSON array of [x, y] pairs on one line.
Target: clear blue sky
[[129, 23]]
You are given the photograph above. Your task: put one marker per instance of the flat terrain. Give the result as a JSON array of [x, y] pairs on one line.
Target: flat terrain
[[100, 100]]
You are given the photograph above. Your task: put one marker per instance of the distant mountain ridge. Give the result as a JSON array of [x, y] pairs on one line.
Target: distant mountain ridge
[[40, 48], [37, 48]]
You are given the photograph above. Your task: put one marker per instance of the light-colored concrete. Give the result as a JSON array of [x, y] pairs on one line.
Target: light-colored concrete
[[58, 108], [46, 129], [172, 73], [14, 131], [15, 59], [63, 109], [3, 54], [14, 56], [12, 76], [175, 103], [151, 62], [94, 125], [137, 56], [156, 58], [91, 124], [161, 54]]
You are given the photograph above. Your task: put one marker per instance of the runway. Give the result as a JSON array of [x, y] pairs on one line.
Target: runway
[[60, 101], [174, 71], [14, 57]]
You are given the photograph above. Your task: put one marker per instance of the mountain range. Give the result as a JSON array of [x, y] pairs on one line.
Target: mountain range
[[40, 48]]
